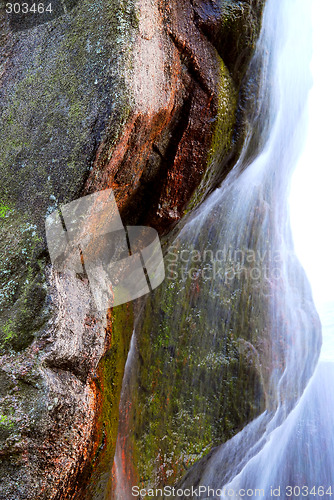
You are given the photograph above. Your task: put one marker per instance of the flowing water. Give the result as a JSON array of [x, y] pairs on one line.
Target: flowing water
[[237, 327]]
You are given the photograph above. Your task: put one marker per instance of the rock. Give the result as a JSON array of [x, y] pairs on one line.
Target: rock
[[140, 97]]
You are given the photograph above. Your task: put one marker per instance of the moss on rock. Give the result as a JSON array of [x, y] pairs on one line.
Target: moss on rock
[[195, 387], [110, 377], [23, 289]]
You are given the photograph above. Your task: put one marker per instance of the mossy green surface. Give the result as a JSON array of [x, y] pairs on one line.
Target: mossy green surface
[[235, 43], [196, 387], [222, 137], [3, 210], [23, 290], [111, 371], [240, 28]]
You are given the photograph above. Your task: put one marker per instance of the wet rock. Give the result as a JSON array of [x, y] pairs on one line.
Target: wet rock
[[141, 97]]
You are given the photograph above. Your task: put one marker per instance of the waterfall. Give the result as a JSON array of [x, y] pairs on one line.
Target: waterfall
[[284, 457], [232, 336]]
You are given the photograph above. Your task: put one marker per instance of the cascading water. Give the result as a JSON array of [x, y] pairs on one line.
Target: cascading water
[[232, 336]]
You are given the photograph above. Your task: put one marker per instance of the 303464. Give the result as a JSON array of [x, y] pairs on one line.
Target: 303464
[[25, 8]]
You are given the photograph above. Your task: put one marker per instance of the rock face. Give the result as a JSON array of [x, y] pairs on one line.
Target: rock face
[[141, 97]]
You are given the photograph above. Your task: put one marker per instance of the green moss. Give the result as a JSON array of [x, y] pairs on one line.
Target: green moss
[[6, 422], [223, 130], [110, 377], [4, 209], [22, 296], [196, 386], [7, 425], [8, 331], [227, 105]]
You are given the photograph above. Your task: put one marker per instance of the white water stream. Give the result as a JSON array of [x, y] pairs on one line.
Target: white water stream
[[297, 458]]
